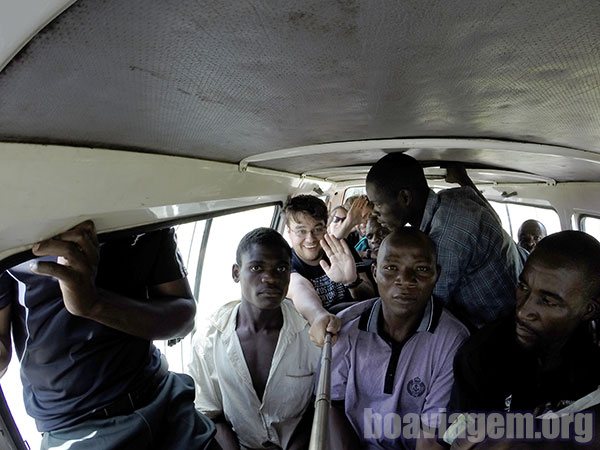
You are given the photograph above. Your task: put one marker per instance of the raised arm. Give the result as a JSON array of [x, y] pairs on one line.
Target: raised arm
[[342, 268], [357, 214], [169, 314], [308, 303]]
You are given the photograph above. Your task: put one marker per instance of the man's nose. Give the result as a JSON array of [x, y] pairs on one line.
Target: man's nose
[[525, 308], [405, 276]]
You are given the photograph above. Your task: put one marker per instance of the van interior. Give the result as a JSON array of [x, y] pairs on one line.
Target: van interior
[[206, 116]]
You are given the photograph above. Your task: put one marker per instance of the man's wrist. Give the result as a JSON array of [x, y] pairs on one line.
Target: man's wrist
[[355, 283]]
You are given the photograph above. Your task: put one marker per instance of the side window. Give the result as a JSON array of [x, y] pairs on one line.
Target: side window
[[513, 215], [590, 225], [208, 249]]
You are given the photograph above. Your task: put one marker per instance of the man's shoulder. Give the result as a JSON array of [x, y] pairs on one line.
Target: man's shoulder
[[450, 325], [222, 316], [352, 314], [492, 342]]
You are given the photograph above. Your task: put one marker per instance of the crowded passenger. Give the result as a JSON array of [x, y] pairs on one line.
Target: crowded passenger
[[479, 262], [336, 219], [358, 210], [394, 354], [324, 270], [84, 319], [530, 233], [541, 359], [255, 366]]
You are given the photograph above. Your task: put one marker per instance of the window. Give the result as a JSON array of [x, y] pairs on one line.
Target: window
[[513, 215], [590, 225], [208, 249]]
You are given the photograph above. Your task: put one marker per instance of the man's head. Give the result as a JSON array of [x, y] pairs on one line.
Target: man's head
[[375, 234], [263, 261], [397, 187], [530, 233], [558, 290], [406, 272], [306, 219]]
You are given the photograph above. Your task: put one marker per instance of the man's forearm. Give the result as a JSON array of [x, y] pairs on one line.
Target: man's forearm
[[157, 318]]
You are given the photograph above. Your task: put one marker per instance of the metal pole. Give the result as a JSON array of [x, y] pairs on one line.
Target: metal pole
[[319, 431]]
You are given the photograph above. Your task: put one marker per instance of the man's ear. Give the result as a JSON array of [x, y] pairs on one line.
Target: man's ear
[[405, 197], [235, 273], [593, 310], [374, 270]]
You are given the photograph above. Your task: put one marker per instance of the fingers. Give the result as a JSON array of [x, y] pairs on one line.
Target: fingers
[[325, 323], [51, 269], [334, 246], [78, 246]]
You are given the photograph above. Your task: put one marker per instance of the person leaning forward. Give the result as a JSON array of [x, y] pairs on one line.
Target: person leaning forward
[[541, 359], [479, 262]]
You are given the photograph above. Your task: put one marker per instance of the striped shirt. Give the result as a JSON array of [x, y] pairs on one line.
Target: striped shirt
[[479, 261]]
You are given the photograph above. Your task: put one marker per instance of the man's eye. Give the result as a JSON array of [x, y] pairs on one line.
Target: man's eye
[[522, 286], [423, 269], [283, 269], [254, 268], [389, 268], [549, 302]]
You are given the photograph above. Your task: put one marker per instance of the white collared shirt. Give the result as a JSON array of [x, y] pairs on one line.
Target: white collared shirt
[[224, 386]]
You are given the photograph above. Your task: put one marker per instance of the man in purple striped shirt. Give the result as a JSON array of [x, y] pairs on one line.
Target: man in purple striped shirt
[[392, 364]]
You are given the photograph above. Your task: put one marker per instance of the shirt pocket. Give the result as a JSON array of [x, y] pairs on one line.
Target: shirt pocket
[[295, 392]]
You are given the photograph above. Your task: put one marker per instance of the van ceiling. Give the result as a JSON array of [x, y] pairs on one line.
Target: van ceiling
[[225, 81]]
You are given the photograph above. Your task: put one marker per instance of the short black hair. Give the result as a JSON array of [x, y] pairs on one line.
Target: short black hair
[[267, 237], [305, 204], [412, 234], [397, 171], [575, 250]]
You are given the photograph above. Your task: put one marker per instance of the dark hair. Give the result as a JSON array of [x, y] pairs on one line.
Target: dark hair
[[575, 250], [267, 237], [305, 204], [397, 171]]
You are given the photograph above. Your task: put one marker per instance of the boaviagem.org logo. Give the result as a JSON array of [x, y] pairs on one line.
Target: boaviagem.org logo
[[474, 427]]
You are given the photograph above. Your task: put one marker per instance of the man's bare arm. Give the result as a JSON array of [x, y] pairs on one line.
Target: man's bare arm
[[5, 340], [170, 314], [308, 303]]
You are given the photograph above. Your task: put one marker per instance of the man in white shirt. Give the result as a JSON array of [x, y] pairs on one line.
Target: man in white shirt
[[255, 367]]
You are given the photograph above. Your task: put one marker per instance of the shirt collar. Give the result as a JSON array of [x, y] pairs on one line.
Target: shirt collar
[[224, 319], [370, 319]]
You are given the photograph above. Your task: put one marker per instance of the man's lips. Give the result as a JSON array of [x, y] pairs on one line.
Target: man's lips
[[524, 330], [271, 292]]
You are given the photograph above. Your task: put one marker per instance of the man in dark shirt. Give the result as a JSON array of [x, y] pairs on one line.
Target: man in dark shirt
[[543, 359], [323, 268], [83, 332]]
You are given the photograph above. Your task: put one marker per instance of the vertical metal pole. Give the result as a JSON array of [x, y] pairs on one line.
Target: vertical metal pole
[[319, 432]]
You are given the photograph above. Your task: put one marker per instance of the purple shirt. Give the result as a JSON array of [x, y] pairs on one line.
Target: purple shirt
[[376, 377]]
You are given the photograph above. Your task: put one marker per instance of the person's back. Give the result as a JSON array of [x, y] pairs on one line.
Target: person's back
[[255, 366], [479, 262]]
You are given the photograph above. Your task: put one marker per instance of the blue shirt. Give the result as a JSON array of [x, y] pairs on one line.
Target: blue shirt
[[480, 263], [71, 365]]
